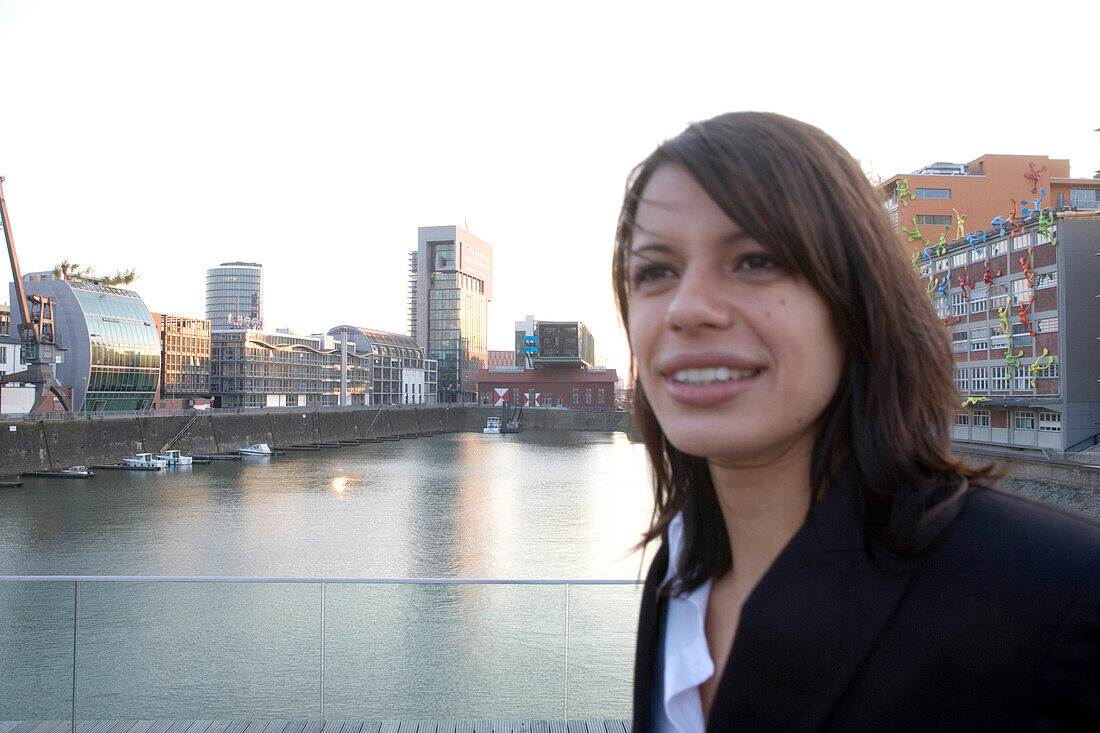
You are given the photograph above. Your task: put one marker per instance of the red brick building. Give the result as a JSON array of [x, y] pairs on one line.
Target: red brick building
[[579, 389]]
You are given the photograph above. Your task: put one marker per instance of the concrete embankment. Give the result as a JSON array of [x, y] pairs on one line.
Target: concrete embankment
[[57, 444]]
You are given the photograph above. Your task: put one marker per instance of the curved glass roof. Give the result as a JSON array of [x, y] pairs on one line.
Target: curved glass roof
[[369, 340]]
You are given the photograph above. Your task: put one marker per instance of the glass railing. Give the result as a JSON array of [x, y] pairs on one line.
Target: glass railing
[[139, 648]]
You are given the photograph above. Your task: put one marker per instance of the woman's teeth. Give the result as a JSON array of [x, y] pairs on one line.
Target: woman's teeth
[[711, 375]]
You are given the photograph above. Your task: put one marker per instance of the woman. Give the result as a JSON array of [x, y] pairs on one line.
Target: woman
[[825, 562]]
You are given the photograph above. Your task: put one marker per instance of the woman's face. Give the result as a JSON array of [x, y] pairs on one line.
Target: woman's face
[[738, 357]]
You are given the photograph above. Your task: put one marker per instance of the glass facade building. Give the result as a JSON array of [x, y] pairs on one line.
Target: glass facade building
[[235, 295], [112, 346], [256, 369], [448, 317]]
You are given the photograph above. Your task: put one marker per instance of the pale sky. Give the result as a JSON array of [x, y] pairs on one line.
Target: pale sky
[[316, 137]]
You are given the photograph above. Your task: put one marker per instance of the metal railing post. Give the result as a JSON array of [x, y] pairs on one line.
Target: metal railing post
[[322, 652], [565, 690], [76, 616]]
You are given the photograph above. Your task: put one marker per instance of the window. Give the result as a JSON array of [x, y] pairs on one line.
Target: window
[[1001, 378], [1021, 241], [1050, 371], [960, 380], [941, 265], [958, 260], [980, 418], [935, 220], [998, 301], [977, 255], [979, 339], [1050, 422], [1083, 198], [998, 248], [961, 418], [1024, 420], [977, 305], [979, 379], [1046, 280], [958, 304], [958, 342], [1021, 381], [576, 397], [1021, 292], [600, 395], [588, 395], [940, 304], [1047, 325], [934, 193], [4, 354]]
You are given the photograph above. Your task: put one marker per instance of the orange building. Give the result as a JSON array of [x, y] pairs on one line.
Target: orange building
[[927, 203]]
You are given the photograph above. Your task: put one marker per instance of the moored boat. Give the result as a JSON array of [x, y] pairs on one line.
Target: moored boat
[[256, 449], [492, 426], [78, 471], [174, 458], [145, 460]]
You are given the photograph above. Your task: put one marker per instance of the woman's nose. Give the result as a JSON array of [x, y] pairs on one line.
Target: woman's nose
[[699, 301]]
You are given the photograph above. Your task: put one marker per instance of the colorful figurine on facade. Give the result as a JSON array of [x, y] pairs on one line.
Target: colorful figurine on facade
[[915, 234], [961, 219], [1033, 176], [903, 191], [1035, 205], [1045, 224]]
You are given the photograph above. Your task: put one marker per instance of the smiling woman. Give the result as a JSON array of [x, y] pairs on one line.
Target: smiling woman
[[795, 395]]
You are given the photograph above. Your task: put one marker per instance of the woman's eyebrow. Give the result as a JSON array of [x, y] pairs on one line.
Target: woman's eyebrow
[[659, 244]]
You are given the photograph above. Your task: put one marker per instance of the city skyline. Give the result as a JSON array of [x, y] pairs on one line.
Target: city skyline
[[172, 138]]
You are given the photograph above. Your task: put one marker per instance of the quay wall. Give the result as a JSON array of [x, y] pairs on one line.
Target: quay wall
[[58, 444]]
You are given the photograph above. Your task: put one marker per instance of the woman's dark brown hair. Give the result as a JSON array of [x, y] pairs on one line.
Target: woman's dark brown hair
[[796, 191]]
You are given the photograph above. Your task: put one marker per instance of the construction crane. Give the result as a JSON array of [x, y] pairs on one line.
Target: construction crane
[[39, 347]]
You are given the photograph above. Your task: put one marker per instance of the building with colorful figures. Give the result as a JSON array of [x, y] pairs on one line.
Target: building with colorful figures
[[1021, 301], [943, 200]]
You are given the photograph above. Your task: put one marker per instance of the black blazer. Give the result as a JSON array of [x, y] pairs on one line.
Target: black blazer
[[997, 629]]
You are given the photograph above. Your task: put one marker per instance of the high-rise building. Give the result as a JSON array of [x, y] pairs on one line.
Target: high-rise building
[[235, 295], [111, 359], [450, 286]]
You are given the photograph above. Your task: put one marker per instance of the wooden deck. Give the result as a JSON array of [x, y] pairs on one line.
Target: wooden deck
[[314, 726]]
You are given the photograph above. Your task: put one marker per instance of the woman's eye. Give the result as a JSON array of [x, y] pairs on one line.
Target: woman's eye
[[649, 273], [757, 261]]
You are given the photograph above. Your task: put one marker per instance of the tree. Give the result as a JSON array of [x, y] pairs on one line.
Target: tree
[[66, 270]]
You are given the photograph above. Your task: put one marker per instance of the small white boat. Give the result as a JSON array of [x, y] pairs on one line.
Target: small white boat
[[145, 460], [492, 426], [257, 449], [78, 471], [174, 458]]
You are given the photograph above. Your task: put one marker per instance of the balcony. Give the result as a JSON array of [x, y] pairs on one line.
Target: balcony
[[109, 648]]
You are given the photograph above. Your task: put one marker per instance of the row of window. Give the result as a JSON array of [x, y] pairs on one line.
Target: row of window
[[1048, 422], [1001, 378]]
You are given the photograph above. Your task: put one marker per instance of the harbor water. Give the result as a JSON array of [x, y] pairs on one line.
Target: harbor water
[[537, 505]]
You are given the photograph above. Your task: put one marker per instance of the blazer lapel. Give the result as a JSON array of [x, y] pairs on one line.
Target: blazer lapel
[[645, 653], [808, 624]]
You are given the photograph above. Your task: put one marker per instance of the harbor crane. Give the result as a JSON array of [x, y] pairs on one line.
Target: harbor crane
[[39, 348]]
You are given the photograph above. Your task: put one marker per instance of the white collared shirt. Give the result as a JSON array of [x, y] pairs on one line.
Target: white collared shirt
[[683, 657]]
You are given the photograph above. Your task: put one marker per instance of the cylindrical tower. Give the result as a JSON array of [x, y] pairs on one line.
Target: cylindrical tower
[[235, 295]]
